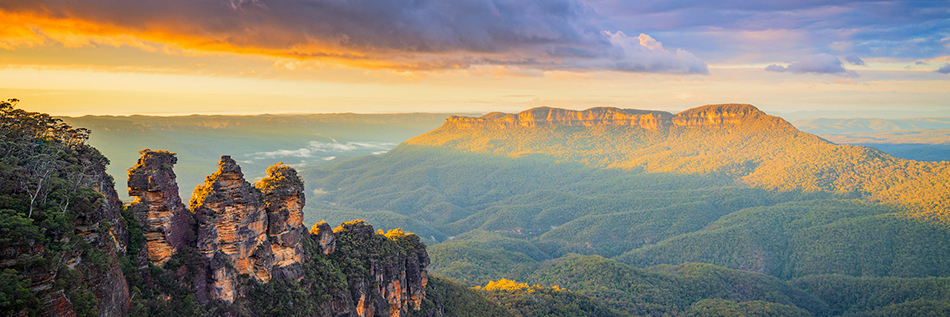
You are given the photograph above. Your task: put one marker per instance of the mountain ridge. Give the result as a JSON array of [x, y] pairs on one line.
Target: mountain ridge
[[736, 140], [717, 114]]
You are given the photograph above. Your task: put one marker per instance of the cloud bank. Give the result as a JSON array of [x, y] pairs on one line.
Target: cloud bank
[[375, 34]]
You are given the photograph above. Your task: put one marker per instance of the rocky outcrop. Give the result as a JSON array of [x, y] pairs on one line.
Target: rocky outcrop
[[544, 116], [232, 228], [284, 199], [718, 115], [58, 306], [253, 230], [156, 205], [324, 235], [396, 276]]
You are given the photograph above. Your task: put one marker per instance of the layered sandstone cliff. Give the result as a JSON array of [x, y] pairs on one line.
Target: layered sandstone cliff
[[396, 275], [544, 116], [249, 229], [283, 201], [254, 234], [232, 228], [709, 115], [156, 205]]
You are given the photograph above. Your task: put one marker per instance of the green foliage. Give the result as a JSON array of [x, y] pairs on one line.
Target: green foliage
[[848, 295], [15, 295], [48, 186], [666, 290], [445, 297], [474, 265], [537, 301], [725, 308], [308, 297], [814, 237]]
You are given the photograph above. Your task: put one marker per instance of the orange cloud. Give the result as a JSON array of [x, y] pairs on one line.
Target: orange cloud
[[401, 35]]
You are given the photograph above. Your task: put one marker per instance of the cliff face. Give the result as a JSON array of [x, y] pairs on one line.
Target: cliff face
[[156, 205], [709, 115], [232, 225], [109, 284], [283, 201], [545, 116], [395, 277]]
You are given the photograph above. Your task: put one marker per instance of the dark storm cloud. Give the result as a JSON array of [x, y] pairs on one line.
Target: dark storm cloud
[[543, 34]]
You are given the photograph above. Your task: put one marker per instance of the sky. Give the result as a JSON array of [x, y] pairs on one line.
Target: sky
[[806, 58]]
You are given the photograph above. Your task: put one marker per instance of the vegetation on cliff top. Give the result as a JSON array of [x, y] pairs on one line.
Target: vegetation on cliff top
[[46, 188]]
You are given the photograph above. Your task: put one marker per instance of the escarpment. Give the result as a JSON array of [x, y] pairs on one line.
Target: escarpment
[[705, 116], [544, 116], [106, 232], [68, 246]]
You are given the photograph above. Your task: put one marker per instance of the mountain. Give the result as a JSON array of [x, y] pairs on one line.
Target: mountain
[[503, 196], [737, 141]]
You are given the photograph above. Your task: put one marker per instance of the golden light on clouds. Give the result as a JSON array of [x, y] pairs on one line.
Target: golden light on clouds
[[176, 56]]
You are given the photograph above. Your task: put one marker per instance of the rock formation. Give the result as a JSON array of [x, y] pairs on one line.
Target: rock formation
[[396, 278], [156, 205], [322, 232], [232, 227], [283, 201]]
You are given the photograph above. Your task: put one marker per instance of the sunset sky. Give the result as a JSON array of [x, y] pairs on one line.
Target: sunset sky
[[794, 58]]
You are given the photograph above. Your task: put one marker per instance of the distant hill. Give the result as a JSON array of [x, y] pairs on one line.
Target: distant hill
[[853, 125], [255, 141], [922, 139]]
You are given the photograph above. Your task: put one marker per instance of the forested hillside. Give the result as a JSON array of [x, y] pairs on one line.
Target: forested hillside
[[509, 195]]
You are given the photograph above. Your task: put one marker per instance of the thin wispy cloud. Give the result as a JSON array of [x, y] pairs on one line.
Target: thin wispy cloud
[[317, 149]]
